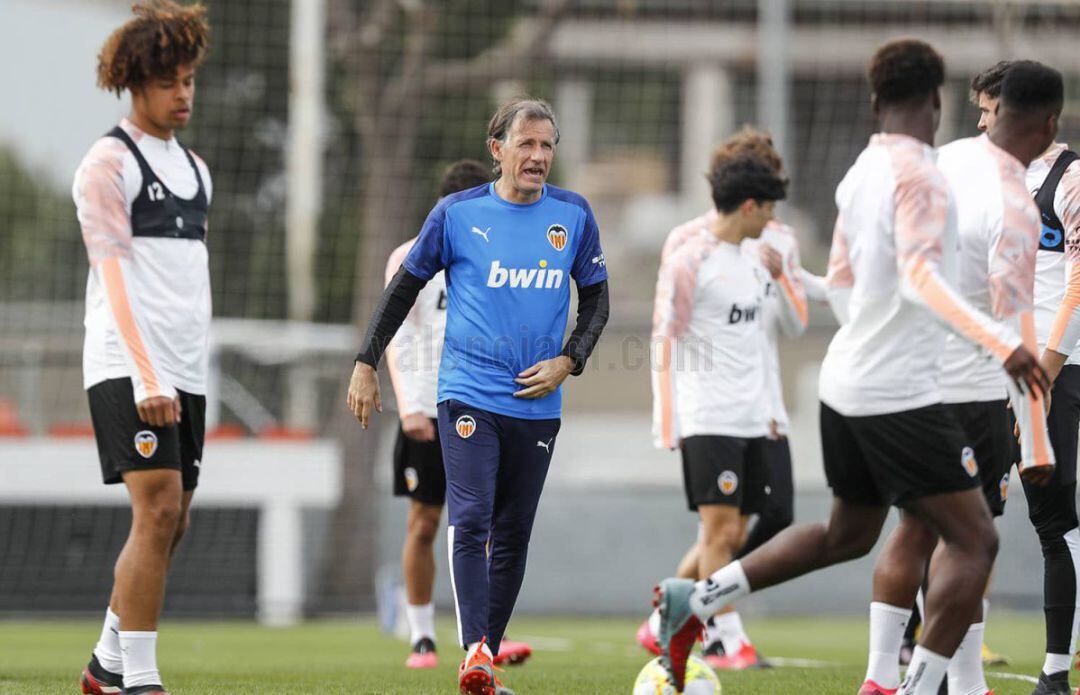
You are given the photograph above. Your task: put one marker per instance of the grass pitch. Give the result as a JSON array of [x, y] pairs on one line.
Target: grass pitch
[[573, 655]]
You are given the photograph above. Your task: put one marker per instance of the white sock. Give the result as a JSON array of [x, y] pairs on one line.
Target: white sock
[[986, 609], [966, 668], [726, 586], [139, 650], [478, 645], [654, 623], [729, 627], [1056, 663], [421, 622], [924, 674], [107, 650], [887, 624]]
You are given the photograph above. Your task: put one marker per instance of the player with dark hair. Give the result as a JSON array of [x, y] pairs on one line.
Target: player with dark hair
[[892, 242], [726, 645], [1054, 179], [713, 402], [507, 249], [142, 201], [998, 232]]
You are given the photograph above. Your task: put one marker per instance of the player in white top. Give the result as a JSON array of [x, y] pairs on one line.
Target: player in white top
[[887, 439], [998, 227], [726, 644], [142, 201], [711, 389], [1054, 179]]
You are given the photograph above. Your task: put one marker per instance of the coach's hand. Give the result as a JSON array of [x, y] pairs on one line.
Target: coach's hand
[[543, 377], [159, 411], [418, 426], [363, 396], [772, 260], [1026, 371]]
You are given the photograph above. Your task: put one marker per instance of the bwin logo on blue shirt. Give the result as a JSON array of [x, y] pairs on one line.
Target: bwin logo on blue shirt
[[525, 278]]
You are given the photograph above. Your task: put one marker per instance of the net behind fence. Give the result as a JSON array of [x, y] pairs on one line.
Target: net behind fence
[[326, 125]]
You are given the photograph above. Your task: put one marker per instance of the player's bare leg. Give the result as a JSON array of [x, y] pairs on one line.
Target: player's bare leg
[[898, 574], [849, 533], [723, 533], [418, 566], [958, 574], [157, 509]]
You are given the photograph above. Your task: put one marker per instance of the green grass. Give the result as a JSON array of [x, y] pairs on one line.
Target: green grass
[[574, 655]]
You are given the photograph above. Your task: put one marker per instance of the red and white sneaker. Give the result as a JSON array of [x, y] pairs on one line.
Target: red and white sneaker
[[512, 653], [96, 680], [746, 657], [872, 688], [423, 654], [477, 676], [647, 639]]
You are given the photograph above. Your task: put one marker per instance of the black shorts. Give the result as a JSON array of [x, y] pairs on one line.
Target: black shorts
[[894, 458], [988, 429], [126, 443], [418, 469], [725, 470]]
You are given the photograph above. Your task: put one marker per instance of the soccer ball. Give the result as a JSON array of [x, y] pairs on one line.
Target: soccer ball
[[700, 679]]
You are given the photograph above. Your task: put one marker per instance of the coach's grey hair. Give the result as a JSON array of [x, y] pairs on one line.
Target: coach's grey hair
[[528, 107]]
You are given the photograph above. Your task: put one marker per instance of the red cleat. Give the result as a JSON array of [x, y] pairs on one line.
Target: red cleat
[[477, 676], [679, 627], [512, 653], [96, 680], [872, 688], [746, 657], [647, 639]]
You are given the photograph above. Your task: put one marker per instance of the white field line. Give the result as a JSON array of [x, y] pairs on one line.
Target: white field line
[[1011, 676]]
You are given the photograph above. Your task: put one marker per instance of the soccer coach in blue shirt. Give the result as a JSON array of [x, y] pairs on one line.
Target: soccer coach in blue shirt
[[509, 249]]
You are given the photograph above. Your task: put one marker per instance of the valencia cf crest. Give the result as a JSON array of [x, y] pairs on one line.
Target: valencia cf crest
[[412, 479], [728, 482], [145, 443], [465, 426], [1003, 487], [557, 236], [967, 458]]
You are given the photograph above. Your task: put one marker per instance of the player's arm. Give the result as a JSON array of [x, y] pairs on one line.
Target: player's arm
[[1065, 330], [839, 280], [921, 206], [814, 286], [428, 256], [101, 206], [675, 287], [793, 315], [589, 271], [403, 360]]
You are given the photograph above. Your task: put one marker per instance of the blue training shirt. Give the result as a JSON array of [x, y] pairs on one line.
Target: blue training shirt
[[508, 270]]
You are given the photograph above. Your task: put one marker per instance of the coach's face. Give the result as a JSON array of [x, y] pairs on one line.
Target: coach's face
[[987, 112], [526, 155]]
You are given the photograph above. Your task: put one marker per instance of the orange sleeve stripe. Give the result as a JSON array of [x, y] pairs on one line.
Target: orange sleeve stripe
[[113, 276], [667, 434], [1065, 312], [799, 302], [1039, 434], [939, 298]]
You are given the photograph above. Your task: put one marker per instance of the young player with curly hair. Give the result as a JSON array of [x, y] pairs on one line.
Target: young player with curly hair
[[142, 201]]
